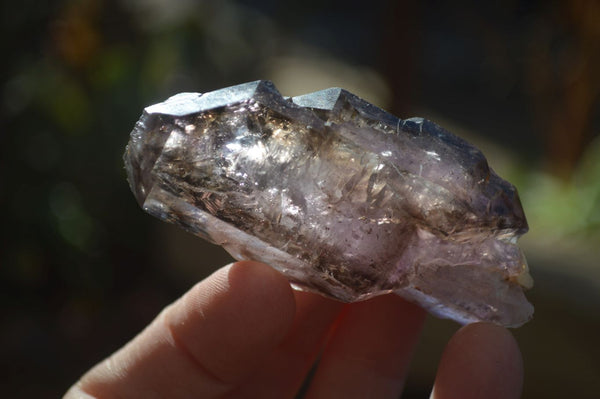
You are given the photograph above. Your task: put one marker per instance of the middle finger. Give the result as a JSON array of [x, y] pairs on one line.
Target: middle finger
[[284, 370]]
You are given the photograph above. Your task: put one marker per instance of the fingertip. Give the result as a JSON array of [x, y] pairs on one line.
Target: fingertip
[[233, 318], [242, 279], [482, 360], [259, 280]]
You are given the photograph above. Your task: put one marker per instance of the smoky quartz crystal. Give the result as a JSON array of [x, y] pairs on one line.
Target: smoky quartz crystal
[[340, 196]]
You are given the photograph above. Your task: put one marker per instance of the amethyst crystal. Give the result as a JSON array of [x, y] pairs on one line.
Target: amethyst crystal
[[340, 196]]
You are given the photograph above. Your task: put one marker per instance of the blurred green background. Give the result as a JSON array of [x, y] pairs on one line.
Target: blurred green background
[[83, 268]]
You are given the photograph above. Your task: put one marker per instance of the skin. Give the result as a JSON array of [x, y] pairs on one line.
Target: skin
[[244, 333]]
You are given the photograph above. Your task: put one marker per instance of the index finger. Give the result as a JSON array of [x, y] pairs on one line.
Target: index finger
[[203, 344], [370, 350]]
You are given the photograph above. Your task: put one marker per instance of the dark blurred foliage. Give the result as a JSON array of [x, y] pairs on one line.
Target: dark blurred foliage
[[81, 265]]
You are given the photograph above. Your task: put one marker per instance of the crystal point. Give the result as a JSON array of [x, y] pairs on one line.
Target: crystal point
[[340, 196]]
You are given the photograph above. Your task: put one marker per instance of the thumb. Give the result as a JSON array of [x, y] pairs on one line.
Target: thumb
[[481, 360]]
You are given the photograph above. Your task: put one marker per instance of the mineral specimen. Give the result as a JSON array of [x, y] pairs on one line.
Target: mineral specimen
[[340, 196]]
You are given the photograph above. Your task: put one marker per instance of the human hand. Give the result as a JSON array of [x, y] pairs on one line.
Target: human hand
[[243, 332]]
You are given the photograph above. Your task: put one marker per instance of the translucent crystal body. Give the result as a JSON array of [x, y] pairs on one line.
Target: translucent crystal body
[[340, 196]]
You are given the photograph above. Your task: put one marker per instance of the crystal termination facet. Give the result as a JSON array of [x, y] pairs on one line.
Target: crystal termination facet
[[340, 196]]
